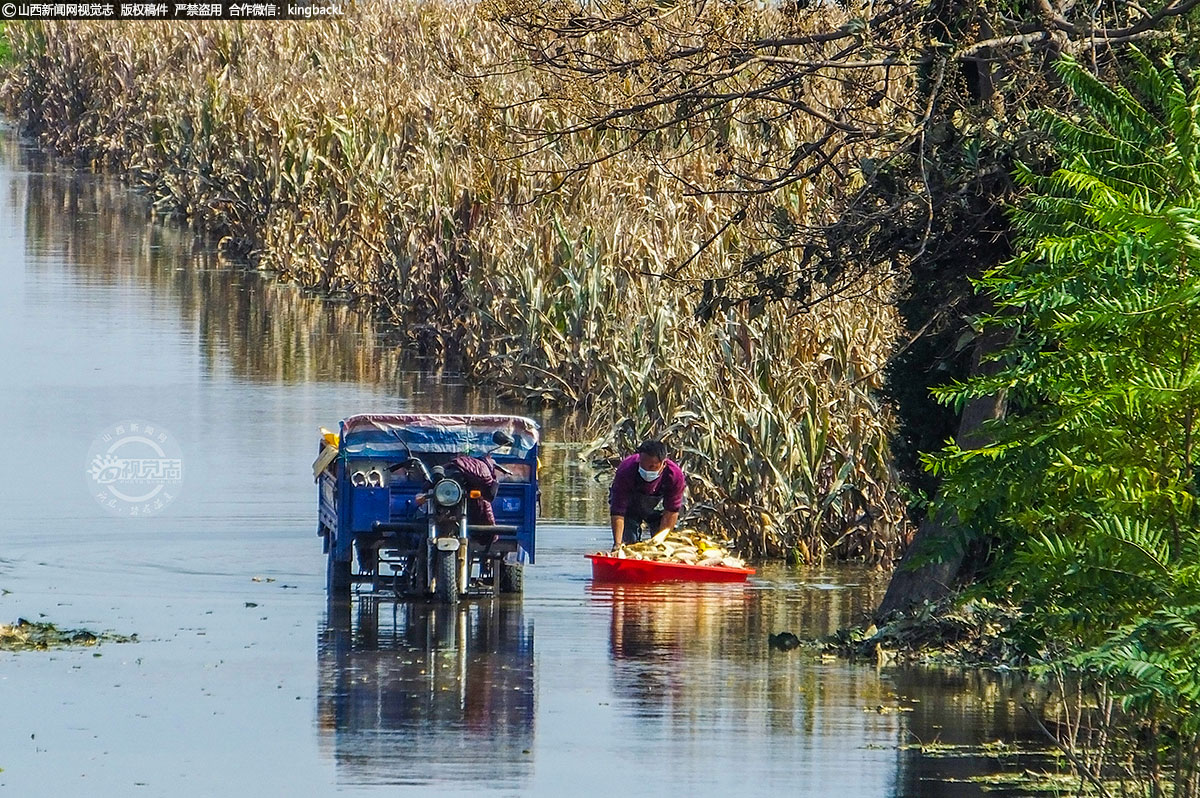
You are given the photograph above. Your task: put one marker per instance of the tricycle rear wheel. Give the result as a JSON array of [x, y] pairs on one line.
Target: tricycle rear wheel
[[512, 578], [419, 583], [337, 577], [445, 588]]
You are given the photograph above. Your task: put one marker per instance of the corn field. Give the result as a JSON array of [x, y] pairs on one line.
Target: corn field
[[374, 159]]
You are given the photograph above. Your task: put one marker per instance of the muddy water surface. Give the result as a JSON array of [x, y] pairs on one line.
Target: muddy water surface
[[243, 684]]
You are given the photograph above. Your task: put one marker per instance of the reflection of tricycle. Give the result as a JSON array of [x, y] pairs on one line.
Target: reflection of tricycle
[[428, 504], [437, 695]]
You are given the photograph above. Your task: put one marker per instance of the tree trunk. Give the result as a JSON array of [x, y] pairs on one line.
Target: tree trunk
[[935, 579]]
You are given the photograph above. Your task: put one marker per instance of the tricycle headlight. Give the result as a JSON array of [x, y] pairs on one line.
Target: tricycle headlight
[[447, 493]]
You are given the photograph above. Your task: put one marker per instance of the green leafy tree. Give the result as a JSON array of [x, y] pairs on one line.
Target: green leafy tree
[[1087, 491]]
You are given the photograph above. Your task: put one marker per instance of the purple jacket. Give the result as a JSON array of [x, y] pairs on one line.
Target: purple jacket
[[478, 475], [628, 484]]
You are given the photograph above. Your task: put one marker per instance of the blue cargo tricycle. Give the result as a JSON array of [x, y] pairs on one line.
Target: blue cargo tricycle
[[441, 506]]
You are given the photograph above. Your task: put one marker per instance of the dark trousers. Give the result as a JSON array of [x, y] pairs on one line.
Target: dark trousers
[[634, 524]]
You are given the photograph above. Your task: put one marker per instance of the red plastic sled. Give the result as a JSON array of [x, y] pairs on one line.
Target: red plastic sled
[[621, 569]]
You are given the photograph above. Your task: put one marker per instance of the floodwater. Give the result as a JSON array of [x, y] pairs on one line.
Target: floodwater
[[241, 684]]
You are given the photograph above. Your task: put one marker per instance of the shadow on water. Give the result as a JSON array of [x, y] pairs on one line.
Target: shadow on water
[[964, 729], [682, 650], [417, 693], [692, 663]]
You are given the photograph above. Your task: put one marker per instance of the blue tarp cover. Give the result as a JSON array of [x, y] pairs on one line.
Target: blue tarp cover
[[386, 435]]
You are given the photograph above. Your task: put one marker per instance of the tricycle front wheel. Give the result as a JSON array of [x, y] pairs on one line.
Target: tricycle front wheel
[[445, 587]]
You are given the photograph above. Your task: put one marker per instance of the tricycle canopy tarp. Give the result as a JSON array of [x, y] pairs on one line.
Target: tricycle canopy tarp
[[382, 435]]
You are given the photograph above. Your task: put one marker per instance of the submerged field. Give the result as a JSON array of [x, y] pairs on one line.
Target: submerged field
[[485, 699], [1036, 212], [384, 159]]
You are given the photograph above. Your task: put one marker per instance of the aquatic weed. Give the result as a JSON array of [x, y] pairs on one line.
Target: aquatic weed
[[27, 635]]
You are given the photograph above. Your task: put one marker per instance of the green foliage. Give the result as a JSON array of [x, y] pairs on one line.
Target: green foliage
[[1154, 663], [1087, 490], [6, 54]]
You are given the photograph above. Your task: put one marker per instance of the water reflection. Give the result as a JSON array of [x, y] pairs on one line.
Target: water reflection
[[692, 665], [248, 326], [416, 693], [677, 647], [89, 238], [959, 714]]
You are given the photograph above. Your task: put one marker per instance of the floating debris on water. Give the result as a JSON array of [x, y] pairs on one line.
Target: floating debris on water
[[1036, 781], [784, 641], [972, 633], [995, 749], [35, 636]]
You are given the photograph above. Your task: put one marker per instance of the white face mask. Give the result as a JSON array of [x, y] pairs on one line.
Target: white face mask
[[649, 476]]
